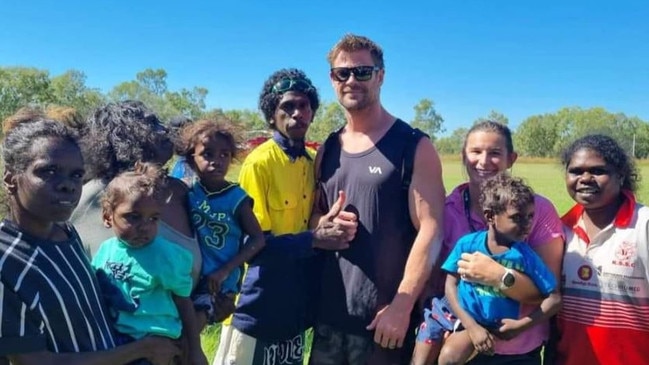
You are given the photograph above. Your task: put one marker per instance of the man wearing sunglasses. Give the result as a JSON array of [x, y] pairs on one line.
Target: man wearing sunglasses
[[367, 311], [276, 304]]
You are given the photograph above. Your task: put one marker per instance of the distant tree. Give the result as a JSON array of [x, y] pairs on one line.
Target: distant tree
[[213, 113], [153, 80], [187, 102], [427, 119], [539, 135], [23, 86], [329, 118], [250, 120], [69, 89], [536, 136], [640, 140], [132, 90], [548, 134], [495, 117], [575, 122], [150, 87], [451, 145]]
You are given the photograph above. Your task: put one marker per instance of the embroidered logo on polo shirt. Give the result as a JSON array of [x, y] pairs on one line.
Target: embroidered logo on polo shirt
[[585, 272], [625, 254]]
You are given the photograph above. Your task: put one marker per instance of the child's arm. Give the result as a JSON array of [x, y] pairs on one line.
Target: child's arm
[[250, 226], [191, 331], [482, 340], [548, 307]]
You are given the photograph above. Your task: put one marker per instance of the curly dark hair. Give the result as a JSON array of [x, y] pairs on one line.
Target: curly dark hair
[[611, 152], [193, 133], [20, 139], [269, 98], [119, 134], [504, 190], [146, 179]]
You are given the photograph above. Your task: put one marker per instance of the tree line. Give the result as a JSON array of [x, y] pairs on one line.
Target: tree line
[[542, 135]]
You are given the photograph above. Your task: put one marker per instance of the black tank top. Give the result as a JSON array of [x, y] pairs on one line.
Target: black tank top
[[359, 280]]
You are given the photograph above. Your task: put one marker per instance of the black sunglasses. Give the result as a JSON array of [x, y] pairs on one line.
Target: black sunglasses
[[290, 84], [361, 73]]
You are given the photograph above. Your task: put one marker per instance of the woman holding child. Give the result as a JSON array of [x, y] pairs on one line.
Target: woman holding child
[[50, 303], [487, 151], [116, 137]]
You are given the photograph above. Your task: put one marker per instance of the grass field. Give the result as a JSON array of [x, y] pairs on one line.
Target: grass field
[[545, 176]]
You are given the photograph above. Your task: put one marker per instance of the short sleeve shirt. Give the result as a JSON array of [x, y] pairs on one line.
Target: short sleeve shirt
[[265, 176], [486, 304], [147, 277], [605, 311], [546, 226]]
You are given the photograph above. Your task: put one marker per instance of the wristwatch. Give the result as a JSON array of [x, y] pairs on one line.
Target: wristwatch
[[508, 280]]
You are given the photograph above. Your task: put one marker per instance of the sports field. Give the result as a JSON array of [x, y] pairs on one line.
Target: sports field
[[544, 175]]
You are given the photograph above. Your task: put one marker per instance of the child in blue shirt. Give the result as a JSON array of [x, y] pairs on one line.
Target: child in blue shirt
[[221, 213], [475, 313], [141, 274]]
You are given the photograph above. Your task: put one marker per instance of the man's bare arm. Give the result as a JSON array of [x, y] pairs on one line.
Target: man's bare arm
[[426, 206]]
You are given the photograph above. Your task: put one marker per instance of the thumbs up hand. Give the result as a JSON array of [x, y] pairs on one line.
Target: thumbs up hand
[[336, 228]]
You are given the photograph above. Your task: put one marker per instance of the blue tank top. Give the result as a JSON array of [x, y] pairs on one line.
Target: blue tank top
[[218, 231]]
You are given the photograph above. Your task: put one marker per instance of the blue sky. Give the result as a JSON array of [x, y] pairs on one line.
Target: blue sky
[[520, 58]]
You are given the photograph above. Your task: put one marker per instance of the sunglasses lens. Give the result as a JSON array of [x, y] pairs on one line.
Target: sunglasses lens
[[284, 85], [363, 73], [300, 85], [341, 73]]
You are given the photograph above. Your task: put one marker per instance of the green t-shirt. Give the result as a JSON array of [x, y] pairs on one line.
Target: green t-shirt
[[142, 281]]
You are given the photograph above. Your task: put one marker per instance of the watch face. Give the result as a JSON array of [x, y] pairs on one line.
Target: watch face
[[509, 279]]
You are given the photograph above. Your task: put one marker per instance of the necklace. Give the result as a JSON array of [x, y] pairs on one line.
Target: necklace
[[467, 208]]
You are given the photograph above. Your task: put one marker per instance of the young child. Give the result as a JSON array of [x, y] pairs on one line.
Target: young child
[[141, 273], [475, 313], [221, 213]]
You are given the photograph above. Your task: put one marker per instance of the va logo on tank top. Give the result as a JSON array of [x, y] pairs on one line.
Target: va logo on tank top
[[375, 170]]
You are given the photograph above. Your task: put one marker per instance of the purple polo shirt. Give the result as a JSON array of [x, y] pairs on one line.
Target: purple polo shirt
[[545, 227]]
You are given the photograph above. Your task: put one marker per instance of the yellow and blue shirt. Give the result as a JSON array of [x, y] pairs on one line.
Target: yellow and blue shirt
[[276, 305], [282, 188]]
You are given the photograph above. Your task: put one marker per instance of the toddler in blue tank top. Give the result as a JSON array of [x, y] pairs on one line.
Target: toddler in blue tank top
[[228, 232]]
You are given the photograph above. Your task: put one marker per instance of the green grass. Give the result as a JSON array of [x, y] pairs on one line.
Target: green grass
[[545, 176], [210, 341]]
